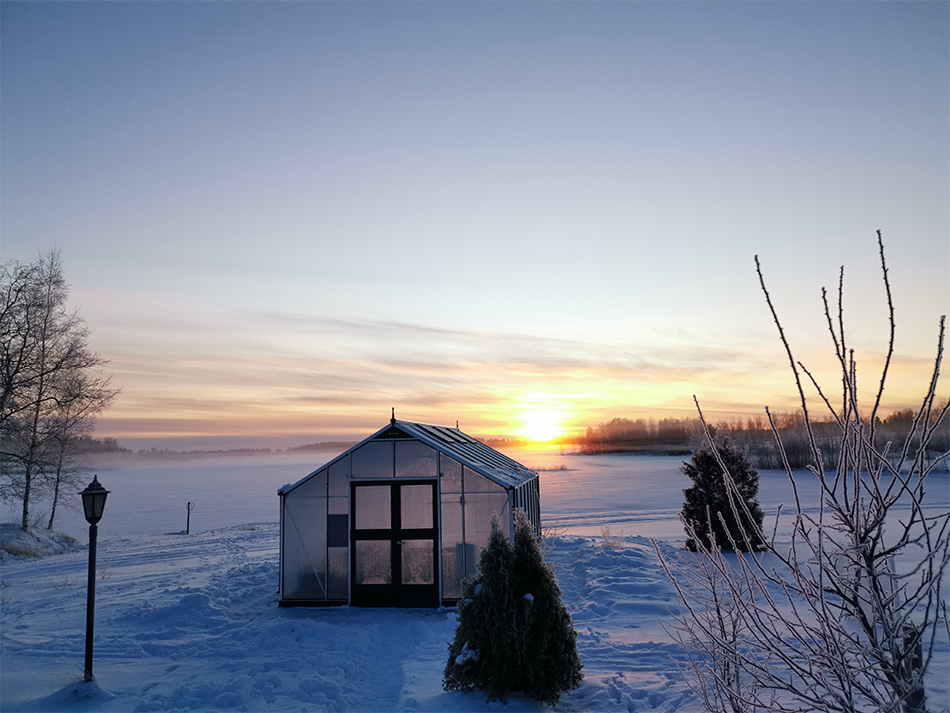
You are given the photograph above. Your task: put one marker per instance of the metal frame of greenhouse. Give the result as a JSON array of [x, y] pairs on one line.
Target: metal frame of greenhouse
[[399, 519]]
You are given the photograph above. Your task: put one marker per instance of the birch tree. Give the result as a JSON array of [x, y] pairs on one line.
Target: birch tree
[[52, 382]]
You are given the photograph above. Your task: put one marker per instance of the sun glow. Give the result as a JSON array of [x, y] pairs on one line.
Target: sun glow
[[542, 426]]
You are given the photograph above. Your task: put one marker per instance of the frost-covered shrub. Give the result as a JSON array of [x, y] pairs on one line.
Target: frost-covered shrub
[[514, 633], [708, 512]]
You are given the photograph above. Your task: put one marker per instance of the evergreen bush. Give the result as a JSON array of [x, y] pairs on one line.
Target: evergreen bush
[[514, 633], [708, 513]]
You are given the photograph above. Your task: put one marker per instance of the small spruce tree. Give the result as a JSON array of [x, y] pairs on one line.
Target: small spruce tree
[[550, 664], [514, 633], [708, 513]]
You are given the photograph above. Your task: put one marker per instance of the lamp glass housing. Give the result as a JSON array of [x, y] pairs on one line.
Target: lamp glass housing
[[94, 501]]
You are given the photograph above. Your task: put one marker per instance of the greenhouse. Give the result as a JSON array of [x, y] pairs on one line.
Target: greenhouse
[[399, 519]]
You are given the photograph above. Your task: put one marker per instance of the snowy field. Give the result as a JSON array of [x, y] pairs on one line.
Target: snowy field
[[191, 623]]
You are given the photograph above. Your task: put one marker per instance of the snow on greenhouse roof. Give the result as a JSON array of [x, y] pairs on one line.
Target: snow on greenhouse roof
[[469, 452]]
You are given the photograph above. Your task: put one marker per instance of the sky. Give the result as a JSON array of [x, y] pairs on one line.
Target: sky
[[282, 219]]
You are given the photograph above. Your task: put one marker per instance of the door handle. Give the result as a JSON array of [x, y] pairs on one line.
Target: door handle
[[400, 542]]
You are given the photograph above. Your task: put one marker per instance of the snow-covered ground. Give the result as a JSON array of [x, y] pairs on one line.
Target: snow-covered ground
[[192, 623]]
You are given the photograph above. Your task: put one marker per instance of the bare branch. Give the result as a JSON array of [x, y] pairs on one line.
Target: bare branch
[[844, 608]]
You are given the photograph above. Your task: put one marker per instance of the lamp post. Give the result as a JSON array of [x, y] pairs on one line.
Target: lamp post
[[93, 503]]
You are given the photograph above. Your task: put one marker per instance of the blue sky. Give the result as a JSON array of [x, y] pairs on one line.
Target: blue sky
[[281, 219]]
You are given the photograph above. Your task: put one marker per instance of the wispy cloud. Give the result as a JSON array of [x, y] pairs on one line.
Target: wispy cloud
[[240, 369], [440, 221]]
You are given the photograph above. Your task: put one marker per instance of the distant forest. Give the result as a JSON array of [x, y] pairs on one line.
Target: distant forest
[[672, 436], [679, 436], [110, 447]]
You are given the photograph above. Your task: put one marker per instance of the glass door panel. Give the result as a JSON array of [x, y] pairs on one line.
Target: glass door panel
[[373, 507], [373, 562], [417, 562], [415, 510]]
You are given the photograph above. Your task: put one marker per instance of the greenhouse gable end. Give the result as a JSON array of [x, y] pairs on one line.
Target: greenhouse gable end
[[399, 519]]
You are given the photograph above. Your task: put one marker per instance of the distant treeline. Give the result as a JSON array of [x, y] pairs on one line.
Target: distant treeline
[[87, 444], [672, 435], [107, 447], [621, 435], [110, 447], [323, 446]]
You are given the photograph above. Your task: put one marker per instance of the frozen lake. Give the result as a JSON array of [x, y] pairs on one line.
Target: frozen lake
[[631, 494], [580, 495]]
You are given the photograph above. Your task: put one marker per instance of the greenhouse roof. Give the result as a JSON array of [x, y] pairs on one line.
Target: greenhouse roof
[[469, 452]]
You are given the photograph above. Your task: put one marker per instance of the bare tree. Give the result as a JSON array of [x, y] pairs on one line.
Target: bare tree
[[17, 336], [50, 378], [842, 610], [82, 396]]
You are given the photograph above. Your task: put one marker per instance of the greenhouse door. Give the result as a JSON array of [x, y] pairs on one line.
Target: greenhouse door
[[394, 544]]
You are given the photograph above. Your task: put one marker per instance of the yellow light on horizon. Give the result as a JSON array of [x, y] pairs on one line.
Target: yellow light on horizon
[[542, 426]]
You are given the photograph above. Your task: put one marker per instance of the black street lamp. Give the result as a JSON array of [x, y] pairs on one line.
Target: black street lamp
[[93, 503]]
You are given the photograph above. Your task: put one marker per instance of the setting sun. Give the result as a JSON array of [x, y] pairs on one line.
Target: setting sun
[[542, 426]]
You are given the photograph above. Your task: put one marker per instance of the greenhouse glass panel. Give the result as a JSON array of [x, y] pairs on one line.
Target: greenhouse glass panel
[[479, 508], [373, 460], [415, 506], [305, 549], [373, 507], [417, 562], [338, 573], [451, 475], [373, 562], [478, 483], [339, 506], [339, 478], [453, 546], [314, 487], [415, 460]]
